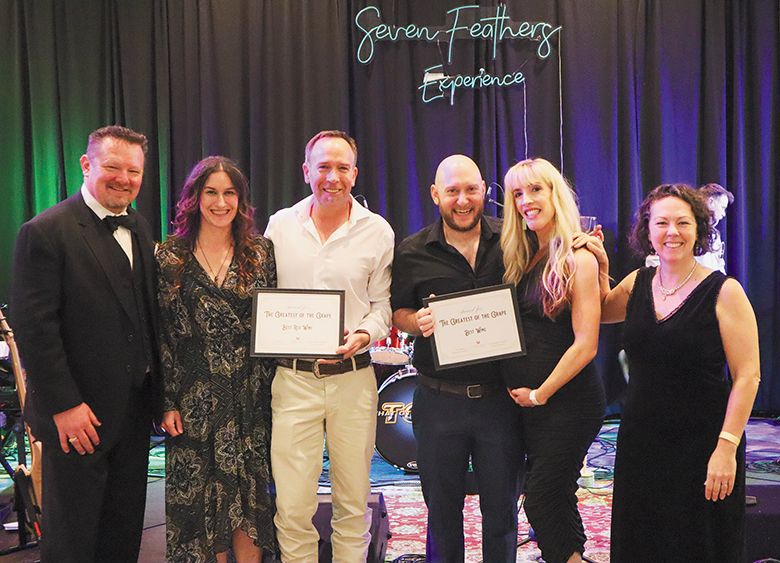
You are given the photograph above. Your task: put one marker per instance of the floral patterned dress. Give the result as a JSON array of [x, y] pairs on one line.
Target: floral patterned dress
[[218, 471]]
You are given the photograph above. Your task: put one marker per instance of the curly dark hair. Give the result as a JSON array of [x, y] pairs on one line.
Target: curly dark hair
[[640, 234], [186, 224]]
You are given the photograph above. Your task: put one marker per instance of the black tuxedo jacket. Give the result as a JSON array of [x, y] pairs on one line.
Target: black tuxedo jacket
[[72, 313]]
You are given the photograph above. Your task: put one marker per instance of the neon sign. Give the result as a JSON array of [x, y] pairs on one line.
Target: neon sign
[[461, 24]]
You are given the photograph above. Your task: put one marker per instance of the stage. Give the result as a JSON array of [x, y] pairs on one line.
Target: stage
[[406, 509]]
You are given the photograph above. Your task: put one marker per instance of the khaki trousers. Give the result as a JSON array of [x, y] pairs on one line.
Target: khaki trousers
[[343, 408]]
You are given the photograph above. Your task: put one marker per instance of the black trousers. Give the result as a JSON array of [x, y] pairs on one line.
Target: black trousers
[[450, 430], [93, 505]]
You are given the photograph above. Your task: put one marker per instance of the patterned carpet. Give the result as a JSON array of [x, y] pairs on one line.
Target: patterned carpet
[[407, 515], [407, 512]]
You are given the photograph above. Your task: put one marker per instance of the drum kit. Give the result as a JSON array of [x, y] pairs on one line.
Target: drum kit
[[395, 378]]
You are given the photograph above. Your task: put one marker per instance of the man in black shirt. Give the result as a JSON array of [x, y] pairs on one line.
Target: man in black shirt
[[459, 413]]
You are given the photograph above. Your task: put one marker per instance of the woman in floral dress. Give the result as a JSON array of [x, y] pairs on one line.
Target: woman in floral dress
[[217, 397]]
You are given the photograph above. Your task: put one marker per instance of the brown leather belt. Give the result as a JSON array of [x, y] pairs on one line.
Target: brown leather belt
[[474, 391], [320, 369]]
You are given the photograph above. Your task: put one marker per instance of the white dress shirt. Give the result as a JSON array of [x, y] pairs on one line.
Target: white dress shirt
[[357, 258], [122, 234], [714, 259]]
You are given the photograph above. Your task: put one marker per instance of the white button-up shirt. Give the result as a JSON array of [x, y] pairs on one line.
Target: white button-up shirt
[[357, 258]]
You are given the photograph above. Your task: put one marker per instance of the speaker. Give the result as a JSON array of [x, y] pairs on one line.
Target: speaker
[[380, 528], [762, 522]]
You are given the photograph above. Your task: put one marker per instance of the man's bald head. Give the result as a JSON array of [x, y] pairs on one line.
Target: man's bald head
[[459, 192], [457, 166]]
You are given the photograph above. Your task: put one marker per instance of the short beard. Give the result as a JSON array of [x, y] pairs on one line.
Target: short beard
[[448, 219]]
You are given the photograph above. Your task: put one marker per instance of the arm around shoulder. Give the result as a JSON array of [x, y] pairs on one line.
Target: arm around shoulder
[[615, 302]]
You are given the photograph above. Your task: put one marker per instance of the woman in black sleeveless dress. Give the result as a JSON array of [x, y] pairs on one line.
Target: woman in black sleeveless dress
[[679, 472], [555, 383]]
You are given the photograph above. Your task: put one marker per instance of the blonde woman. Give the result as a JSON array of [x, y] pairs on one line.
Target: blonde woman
[[556, 385]]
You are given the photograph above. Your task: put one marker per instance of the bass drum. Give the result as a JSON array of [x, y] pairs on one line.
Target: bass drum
[[394, 435], [387, 361]]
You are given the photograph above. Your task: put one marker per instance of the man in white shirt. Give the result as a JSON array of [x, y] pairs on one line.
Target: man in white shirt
[[328, 241], [718, 199]]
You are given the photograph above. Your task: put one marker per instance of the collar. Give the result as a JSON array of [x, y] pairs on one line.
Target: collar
[[303, 210], [436, 234], [95, 205]]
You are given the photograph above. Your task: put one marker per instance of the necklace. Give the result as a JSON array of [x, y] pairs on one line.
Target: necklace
[[214, 277], [667, 292]]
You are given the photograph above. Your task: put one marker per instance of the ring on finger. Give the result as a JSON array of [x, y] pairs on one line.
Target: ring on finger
[[73, 439]]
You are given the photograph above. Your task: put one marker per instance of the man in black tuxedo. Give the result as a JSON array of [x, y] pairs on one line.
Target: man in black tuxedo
[[83, 303]]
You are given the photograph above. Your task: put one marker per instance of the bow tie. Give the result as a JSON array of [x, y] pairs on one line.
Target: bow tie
[[115, 221]]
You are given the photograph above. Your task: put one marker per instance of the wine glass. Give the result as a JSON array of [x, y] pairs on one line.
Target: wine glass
[[587, 223]]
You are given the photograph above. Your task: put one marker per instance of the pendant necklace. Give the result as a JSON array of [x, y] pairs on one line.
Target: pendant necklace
[[667, 292], [215, 277]]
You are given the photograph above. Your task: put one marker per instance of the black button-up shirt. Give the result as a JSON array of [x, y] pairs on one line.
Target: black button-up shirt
[[424, 264]]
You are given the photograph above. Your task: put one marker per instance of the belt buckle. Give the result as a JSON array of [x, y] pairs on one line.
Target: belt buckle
[[315, 369], [478, 393]]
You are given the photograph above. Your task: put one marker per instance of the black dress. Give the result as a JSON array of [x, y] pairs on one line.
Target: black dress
[[557, 434], [673, 414], [218, 474]]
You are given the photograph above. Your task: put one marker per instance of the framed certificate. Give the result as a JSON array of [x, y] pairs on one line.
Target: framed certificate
[[475, 326], [297, 323]]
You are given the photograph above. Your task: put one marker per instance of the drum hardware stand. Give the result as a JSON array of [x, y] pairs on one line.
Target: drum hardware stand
[[25, 504], [27, 515], [16, 432]]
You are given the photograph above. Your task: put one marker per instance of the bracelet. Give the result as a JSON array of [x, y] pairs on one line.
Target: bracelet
[[728, 436], [532, 396]]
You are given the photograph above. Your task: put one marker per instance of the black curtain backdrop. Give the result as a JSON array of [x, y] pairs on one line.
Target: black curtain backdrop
[[633, 93]]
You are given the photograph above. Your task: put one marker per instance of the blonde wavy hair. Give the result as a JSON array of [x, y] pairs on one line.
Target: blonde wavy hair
[[516, 245]]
